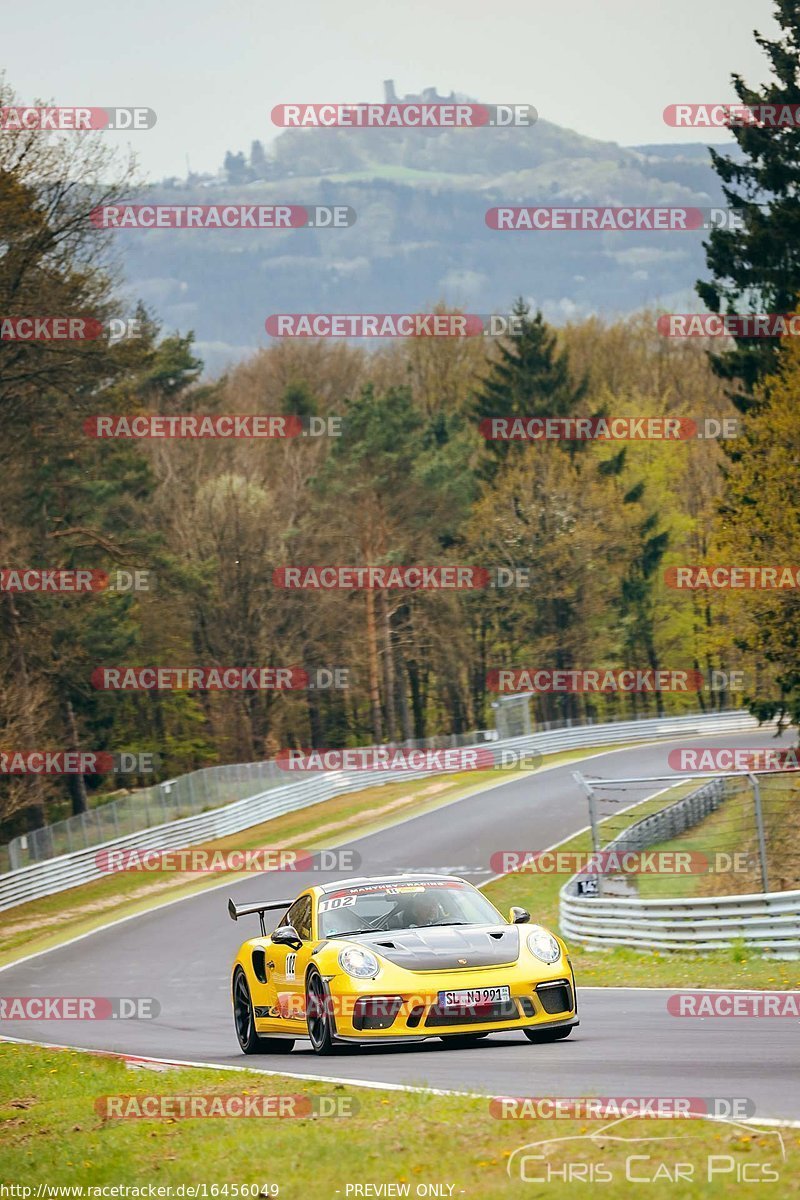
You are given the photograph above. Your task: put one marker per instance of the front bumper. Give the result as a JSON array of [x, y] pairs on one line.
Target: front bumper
[[368, 1012]]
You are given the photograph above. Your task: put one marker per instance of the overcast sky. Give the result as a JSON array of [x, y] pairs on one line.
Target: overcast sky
[[213, 71]]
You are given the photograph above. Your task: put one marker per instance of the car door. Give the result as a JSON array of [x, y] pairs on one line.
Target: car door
[[289, 971]]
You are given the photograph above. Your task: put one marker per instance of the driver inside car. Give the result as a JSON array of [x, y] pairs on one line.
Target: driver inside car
[[418, 911]]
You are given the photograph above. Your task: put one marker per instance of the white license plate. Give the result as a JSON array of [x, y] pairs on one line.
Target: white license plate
[[473, 996]]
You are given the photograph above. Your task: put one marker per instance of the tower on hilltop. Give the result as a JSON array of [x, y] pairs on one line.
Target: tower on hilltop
[[428, 95]]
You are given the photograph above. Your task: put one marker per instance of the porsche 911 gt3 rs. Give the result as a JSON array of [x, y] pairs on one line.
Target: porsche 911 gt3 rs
[[398, 958]]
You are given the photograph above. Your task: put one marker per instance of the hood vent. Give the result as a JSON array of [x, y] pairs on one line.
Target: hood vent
[[454, 947]]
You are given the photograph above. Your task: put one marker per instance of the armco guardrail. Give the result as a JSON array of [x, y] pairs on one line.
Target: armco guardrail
[[199, 792], [766, 921], [187, 795], [69, 870], [762, 921]]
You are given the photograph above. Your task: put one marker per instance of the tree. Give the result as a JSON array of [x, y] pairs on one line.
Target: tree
[[390, 492], [529, 377], [758, 265], [236, 167], [53, 261], [760, 525], [638, 598], [259, 163]]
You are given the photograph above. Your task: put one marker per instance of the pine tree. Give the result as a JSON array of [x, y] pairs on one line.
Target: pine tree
[[757, 267], [529, 378]]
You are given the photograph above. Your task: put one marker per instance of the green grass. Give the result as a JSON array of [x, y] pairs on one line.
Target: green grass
[[40, 924], [731, 830], [52, 1134]]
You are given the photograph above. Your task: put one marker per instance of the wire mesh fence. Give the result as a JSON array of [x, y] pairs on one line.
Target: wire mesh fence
[[750, 822], [214, 787], [197, 792]]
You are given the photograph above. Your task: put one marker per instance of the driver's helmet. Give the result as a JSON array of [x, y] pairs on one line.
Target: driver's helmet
[[424, 909]]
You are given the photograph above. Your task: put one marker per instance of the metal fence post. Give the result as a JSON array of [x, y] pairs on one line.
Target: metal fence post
[[762, 845], [587, 787]]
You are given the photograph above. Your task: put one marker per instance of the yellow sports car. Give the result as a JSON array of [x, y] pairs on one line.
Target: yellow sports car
[[399, 958]]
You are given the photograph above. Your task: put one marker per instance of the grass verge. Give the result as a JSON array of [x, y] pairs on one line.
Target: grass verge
[[52, 1134], [731, 830]]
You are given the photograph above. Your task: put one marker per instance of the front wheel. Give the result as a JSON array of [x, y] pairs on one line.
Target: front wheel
[[318, 1015], [244, 1021], [548, 1035]]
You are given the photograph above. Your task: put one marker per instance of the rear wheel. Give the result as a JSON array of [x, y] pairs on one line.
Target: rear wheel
[[548, 1035], [244, 1021], [318, 1015]]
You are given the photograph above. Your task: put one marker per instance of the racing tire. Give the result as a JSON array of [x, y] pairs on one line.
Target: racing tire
[[245, 1025], [548, 1035], [318, 1015]]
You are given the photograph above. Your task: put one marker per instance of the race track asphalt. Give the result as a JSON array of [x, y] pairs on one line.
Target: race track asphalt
[[627, 1043]]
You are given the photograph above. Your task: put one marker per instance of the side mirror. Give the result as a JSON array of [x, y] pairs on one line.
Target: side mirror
[[286, 935], [519, 916]]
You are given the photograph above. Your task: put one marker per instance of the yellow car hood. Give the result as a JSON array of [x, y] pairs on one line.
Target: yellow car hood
[[440, 948]]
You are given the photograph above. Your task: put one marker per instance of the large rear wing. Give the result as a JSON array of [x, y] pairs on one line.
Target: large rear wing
[[245, 910]]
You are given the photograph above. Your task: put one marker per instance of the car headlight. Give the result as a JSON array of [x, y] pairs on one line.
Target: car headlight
[[361, 964], [543, 945]]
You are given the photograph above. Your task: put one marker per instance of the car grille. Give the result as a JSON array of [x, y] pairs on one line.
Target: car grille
[[472, 1015], [376, 1012], [555, 997]]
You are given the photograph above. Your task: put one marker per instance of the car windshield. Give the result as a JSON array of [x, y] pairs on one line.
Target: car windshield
[[368, 908]]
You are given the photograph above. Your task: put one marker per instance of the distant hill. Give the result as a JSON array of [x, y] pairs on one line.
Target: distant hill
[[420, 236]]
